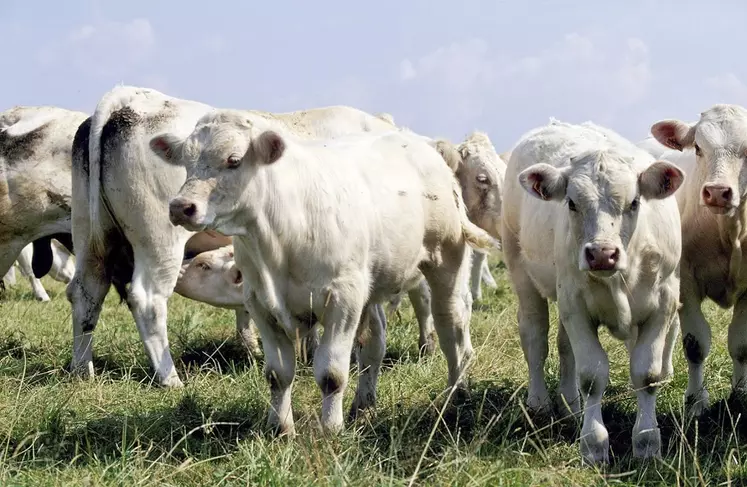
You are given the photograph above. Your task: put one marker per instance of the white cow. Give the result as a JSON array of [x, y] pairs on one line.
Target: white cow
[[714, 223], [328, 230], [121, 227], [606, 247], [62, 270], [35, 144]]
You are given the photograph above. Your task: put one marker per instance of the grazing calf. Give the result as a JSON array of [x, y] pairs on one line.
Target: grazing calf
[[327, 230], [588, 222], [120, 210], [62, 270], [713, 205], [35, 145]]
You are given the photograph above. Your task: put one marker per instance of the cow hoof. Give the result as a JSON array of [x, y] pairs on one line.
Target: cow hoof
[[647, 444], [595, 451], [539, 405], [43, 299], [695, 404], [428, 347], [283, 430], [361, 404], [173, 382], [83, 370], [567, 408]]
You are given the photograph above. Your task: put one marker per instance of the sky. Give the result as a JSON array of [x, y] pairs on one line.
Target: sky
[[441, 68]]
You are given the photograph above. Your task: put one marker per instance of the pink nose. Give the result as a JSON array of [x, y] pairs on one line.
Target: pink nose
[[602, 257], [181, 211], [717, 195]]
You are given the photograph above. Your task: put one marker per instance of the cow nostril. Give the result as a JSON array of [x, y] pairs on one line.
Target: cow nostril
[[589, 255], [190, 209], [706, 194], [615, 255], [726, 194]]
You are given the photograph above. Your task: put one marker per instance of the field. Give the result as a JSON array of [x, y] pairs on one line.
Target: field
[[118, 429]]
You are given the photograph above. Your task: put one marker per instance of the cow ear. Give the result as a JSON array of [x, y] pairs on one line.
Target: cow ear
[[233, 276], [660, 179], [449, 154], [168, 147], [544, 181], [268, 147], [673, 134]]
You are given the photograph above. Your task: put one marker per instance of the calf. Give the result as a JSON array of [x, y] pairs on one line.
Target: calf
[[606, 247], [713, 205], [328, 230], [120, 210], [35, 145]]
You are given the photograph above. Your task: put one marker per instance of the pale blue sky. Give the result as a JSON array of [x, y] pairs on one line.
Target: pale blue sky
[[441, 68]]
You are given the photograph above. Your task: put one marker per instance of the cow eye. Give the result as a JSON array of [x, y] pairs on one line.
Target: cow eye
[[483, 179], [233, 162], [634, 204], [203, 266], [571, 205], [697, 150]]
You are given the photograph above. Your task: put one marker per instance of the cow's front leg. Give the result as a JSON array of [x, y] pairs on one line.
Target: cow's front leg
[[420, 298], [593, 372], [247, 334], [569, 397], [647, 371], [280, 368], [737, 341], [341, 318], [371, 347], [479, 259], [696, 343]]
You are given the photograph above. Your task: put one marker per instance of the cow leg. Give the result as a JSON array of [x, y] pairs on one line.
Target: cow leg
[[280, 367], [24, 262], [696, 343], [478, 259], [371, 345], [737, 342], [341, 319], [247, 333], [593, 371], [674, 331], [567, 370], [86, 293], [487, 277], [153, 281], [420, 298], [452, 310], [10, 276], [646, 372], [534, 326]]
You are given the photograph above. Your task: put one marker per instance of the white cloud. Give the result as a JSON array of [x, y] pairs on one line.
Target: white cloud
[[104, 49], [730, 87]]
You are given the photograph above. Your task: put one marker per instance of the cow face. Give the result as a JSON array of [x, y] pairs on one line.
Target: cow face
[[603, 195], [481, 174], [225, 157], [720, 142], [212, 277]]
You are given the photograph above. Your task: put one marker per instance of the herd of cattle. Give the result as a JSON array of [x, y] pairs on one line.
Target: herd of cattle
[[317, 218]]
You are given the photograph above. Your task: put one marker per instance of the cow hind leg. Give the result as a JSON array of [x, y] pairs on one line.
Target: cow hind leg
[[371, 345], [24, 262], [10, 276], [452, 310], [86, 293], [476, 272], [153, 281], [737, 342], [246, 333]]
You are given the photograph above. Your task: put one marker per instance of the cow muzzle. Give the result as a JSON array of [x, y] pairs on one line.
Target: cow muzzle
[[602, 257], [719, 198], [185, 212]]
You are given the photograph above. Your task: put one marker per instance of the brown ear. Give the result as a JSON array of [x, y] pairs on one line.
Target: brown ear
[[268, 147]]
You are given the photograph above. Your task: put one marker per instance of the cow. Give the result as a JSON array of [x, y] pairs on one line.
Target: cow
[[35, 146], [714, 219], [588, 222], [62, 269], [121, 228], [327, 230]]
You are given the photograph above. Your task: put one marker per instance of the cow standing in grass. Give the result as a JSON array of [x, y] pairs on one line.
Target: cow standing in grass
[[713, 204], [327, 230], [588, 221]]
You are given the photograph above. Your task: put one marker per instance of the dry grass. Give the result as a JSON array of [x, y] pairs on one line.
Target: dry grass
[[120, 430]]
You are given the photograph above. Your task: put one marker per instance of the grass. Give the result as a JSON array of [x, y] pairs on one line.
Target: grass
[[118, 429]]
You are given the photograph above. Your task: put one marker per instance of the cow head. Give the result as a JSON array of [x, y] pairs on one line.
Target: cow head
[[213, 278], [223, 156], [603, 194], [719, 138], [481, 174]]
